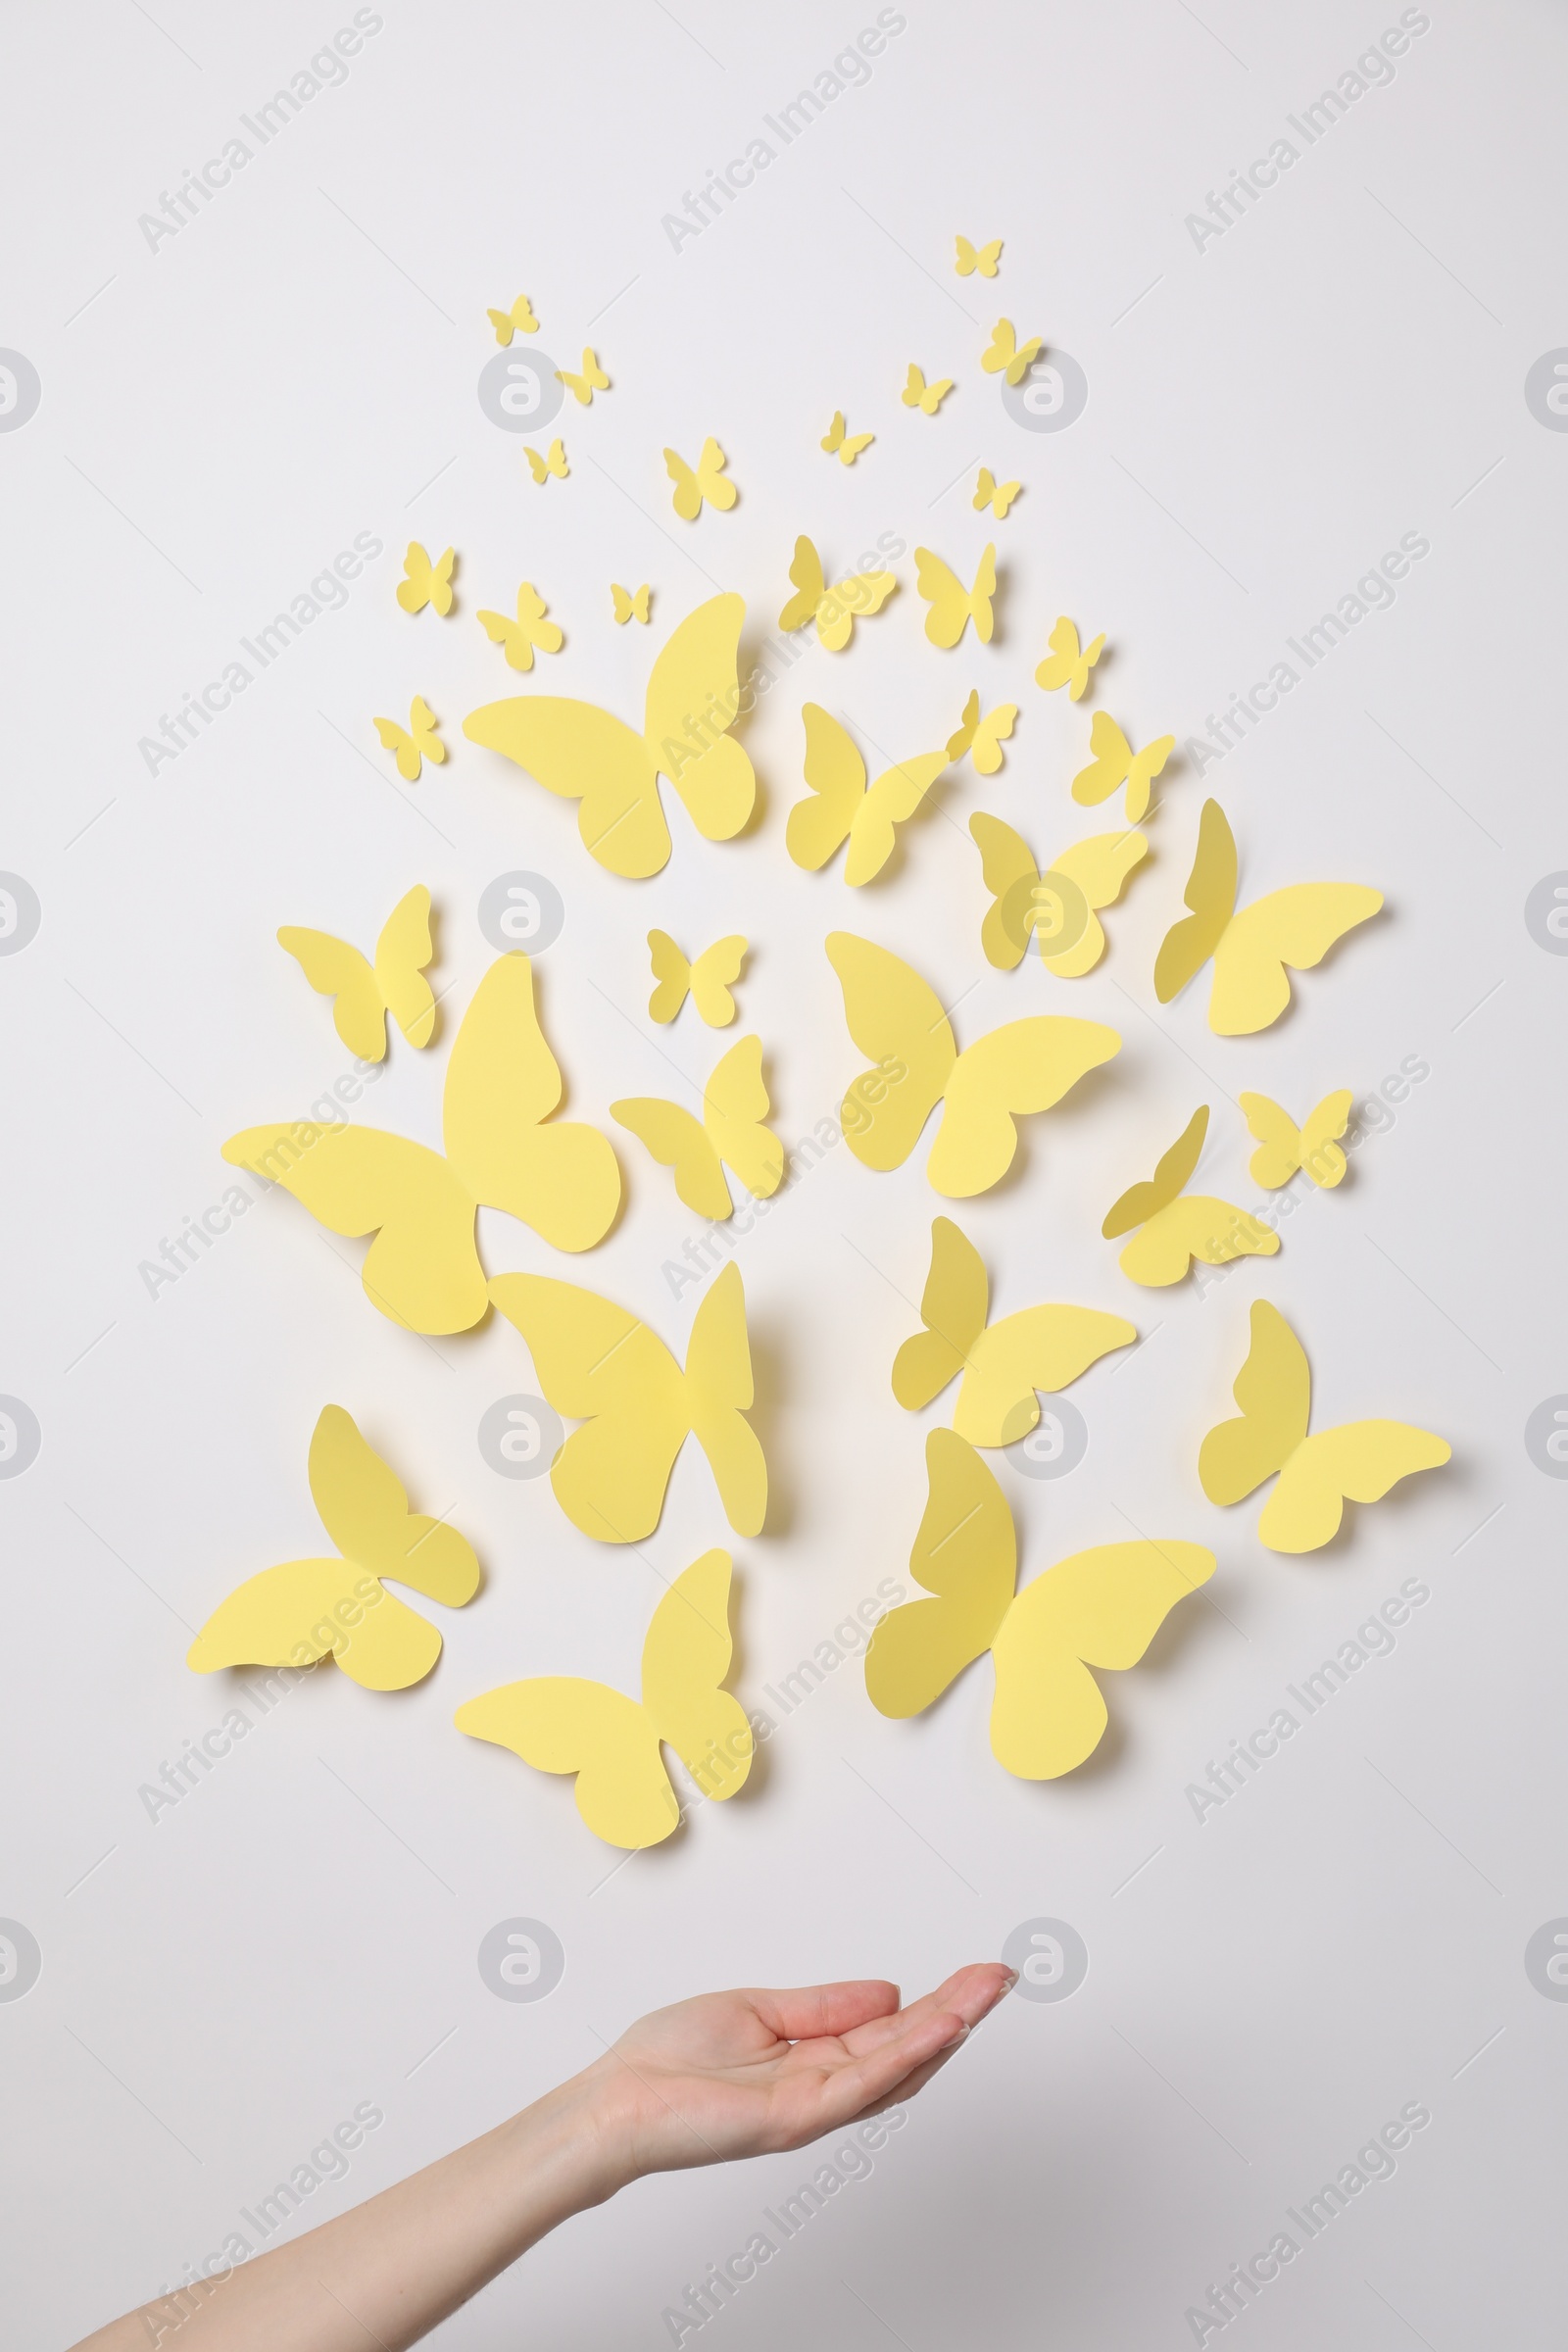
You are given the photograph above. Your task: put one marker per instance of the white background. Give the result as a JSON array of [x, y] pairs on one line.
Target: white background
[[1265, 419]]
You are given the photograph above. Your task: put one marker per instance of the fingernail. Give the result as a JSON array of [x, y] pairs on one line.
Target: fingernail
[[1013, 1979]]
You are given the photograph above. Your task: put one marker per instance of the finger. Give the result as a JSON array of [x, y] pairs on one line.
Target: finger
[[971, 1993], [862, 2082], [805, 2012]]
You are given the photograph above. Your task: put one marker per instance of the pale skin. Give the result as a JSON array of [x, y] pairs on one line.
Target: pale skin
[[723, 2075]]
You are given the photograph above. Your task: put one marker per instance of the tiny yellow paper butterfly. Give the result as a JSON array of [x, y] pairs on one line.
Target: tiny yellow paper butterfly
[[834, 609], [415, 742], [1283, 1147], [629, 605], [919, 394], [518, 319], [365, 994], [555, 462], [1179, 1226], [843, 809], [731, 1133], [952, 605], [529, 629], [706, 978], [1115, 762], [425, 583], [998, 495], [983, 258], [706, 482], [1067, 665], [1004, 352], [982, 738], [592, 379], [847, 446]]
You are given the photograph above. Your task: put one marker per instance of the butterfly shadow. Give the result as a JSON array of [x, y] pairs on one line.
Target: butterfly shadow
[[1001, 601], [770, 1390]]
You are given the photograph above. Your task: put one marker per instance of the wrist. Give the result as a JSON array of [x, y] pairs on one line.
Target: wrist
[[586, 2131]]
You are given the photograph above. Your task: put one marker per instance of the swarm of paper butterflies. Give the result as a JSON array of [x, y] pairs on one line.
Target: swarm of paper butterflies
[[599, 1367]]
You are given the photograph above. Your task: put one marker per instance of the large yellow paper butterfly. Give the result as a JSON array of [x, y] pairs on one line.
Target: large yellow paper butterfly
[[708, 979], [592, 379], [340, 1608], [1357, 1462], [706, 482], [629, 605], [1002, 1363], [952, 604], [1059, 908], [417, 741], [1023, 1066], [426, 583], [1069, 664], [1176, 1230], [1115, 762], [1099, 1608], [554, 461], [503, 1151], [998, 495], [597, 1364], [983, 258], [518, 319], [1293, 928], [1283, 1147], [919, 394], [365, 992], [847, 447], [561, 1723], [834, 609], [583, 753], [528, 630], [1006, 353], [730, 1133], [982, 738], [843, 810]]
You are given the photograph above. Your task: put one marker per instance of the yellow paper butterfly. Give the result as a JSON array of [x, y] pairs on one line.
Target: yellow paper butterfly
[[503, 1150], [1023, 1066], [1006, 353], [983, 258], [1115, 762], [1251, 950], [1059, 909], [518, 319], [599, 1366], [843, 809], [706, 482], [1283, 1147], [561, 1723], [834, 609], [1068, 665], [426, 583], [729, 1134], [581, 752], [919, 394], [982, 738], [365, 992], [592, 379], [998, 495], [846, 446], [631, 606], [708, 978], [528, 630], [1099, 1608], [553, 463], [1176, 1230], [340, 1608], [417, 741], [953, 604], [1357, 1463], [1002, 1363]]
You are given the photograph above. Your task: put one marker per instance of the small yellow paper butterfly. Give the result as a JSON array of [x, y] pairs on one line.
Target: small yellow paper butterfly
[[592, 379], [561, 1723], [1002, 1363], [1290, 928], [365, 994], [340, 1608], [518, 319], [919, 394], [998, 495], [417, 741], [708, 979], [629, 605], [1024, 1066], [729, 1134], [982, 738], [707, 482], [503, 1151], [1099, 1608], [983, 258], [529, 629], [1004, 352], [599, 1366], [834, 610], [1283, 1147], [1357, 1463], [1065, 665], [1115, 762], [848, 447], [843, 810], [953, 604], [425, 583], [1057, 908], [1175, 1230], [553, 463]]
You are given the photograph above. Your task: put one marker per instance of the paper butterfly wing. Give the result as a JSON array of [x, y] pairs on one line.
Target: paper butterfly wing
[[335, 969], [1357, 1462], [1045, 1348], [1005, 859], [672, 975], [1099, 866], [735, 1105], [581, 752], [401, 952], [680, 1142], [294, 1614], [695, 670], [952, 604], [1141, 1202], [1320, 1154], [890, 801], [836, 775], [848, 599], [1021, 1067], [896, 1019], [953, 1308], [685, 1658], [1196, 1226], [805, 575], [713, 974], [965, 1555], [1211, 893], [1279, 1152], [1293, 928], [1274, 1389], [365, 1511], [561, 1723], [718, 1394]]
